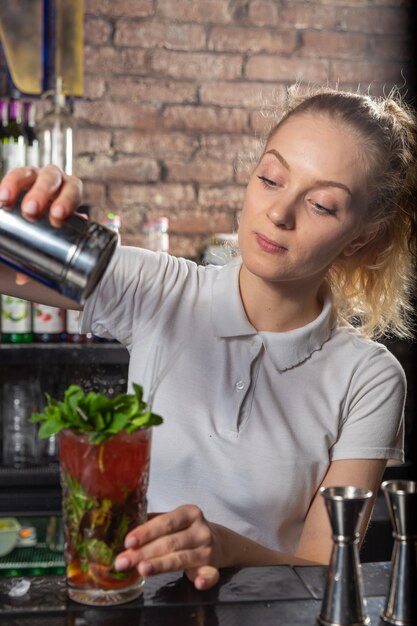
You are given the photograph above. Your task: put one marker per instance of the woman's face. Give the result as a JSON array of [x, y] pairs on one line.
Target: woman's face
[[305, 201]]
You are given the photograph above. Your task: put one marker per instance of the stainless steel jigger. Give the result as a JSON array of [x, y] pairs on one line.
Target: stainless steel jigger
[[401, 602], [343, 602]]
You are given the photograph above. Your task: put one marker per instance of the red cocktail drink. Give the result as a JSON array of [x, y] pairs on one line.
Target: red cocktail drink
[[104, 497]]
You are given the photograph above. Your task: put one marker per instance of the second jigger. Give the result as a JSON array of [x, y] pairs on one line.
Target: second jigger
[[343, 602], [401, 602]]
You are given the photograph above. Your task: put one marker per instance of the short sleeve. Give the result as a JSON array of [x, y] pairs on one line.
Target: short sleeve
[[373, 417], [130, 294]]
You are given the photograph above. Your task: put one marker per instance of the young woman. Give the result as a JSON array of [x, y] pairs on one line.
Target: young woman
[[268, 374]]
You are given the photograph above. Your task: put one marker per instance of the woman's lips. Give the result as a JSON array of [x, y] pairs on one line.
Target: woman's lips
[[268, 245]]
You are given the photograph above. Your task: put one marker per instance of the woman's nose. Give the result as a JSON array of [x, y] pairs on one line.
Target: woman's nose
[[282, 214]]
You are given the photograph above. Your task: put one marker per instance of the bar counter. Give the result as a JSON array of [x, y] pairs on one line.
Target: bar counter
[[267, 596]]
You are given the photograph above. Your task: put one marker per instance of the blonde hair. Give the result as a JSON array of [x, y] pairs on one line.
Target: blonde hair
[[373, 287]]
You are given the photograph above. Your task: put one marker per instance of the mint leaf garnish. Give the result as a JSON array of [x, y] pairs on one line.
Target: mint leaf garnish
[[95, 415]]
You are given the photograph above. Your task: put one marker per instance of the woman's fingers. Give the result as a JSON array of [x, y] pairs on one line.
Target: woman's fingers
[[45, 188], [179, 540], [203, 577], [163, 525], [14, 182]]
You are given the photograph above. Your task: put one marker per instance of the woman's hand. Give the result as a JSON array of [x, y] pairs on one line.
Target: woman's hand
[[179, 540], [46, 188]]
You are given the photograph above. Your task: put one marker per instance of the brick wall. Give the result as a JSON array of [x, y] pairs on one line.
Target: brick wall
[[176, 93]]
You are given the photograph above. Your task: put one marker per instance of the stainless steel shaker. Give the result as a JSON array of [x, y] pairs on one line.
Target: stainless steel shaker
[[69, 259]]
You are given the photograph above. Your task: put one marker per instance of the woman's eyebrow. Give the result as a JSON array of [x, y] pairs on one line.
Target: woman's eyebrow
[[279, 157], [318, 183]]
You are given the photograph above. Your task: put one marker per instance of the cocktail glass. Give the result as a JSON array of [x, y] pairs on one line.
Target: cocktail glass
[[103, 498]]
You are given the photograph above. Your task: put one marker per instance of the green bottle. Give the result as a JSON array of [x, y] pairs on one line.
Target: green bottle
[[16, 320], [13, 140]]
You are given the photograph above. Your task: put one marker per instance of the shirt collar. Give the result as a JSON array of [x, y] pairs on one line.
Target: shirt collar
[[286, 349]]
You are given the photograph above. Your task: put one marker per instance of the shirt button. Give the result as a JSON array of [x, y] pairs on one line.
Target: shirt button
[[240, 385]]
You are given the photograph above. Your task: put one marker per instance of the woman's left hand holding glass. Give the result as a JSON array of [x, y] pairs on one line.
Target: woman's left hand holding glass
[[179, 540]]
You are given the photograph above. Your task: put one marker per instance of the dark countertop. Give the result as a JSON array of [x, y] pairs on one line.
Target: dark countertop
[[271, 596]]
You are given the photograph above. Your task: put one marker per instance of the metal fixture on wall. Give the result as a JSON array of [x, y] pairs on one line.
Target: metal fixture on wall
[[22, 32]]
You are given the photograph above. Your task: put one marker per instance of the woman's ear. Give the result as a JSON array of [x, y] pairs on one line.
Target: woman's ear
[[360, 241]]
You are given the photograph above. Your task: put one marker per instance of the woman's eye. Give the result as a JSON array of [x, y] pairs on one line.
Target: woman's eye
[[322, 209], [267, 182]]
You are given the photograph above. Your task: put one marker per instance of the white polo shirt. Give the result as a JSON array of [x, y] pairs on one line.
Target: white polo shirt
[[252, 419]]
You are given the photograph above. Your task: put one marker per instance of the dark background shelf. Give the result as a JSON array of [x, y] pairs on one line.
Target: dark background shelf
[[62, 353]]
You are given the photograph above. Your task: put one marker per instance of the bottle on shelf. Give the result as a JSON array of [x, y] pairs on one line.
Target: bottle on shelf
[[48, 324], [56, 131], [3, 124], [156, 234], [32, 141], [161, 234], [73, 334], [13, 140], [16, 320]]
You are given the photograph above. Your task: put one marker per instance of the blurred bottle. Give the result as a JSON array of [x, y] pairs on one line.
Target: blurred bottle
[[112, 220], [48, 323], [13, 140], [73, 334], [16, 320], [20, 440], [56, 131], [156, 234], [161, 235], [32, 156], [149, 235], [3, 124]]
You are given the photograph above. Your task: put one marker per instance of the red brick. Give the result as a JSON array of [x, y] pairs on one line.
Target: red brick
[[196, 65], [366, 72], [373, 20], [156, 143], [154, 34], [253, 40], [94, 193], [94, 87], [244, 94], [263, 67], [119, 115], [129, 169], [97, 31], [92, 140], [109, 60], [227, 147], [302, 15], [263, 12], [345, 3], [211, 11], [394, 3], [228, 198], [159, 198], [151, 90], [334, 45], [199, 171], [200, 222], [205, 119], [130, 8]]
